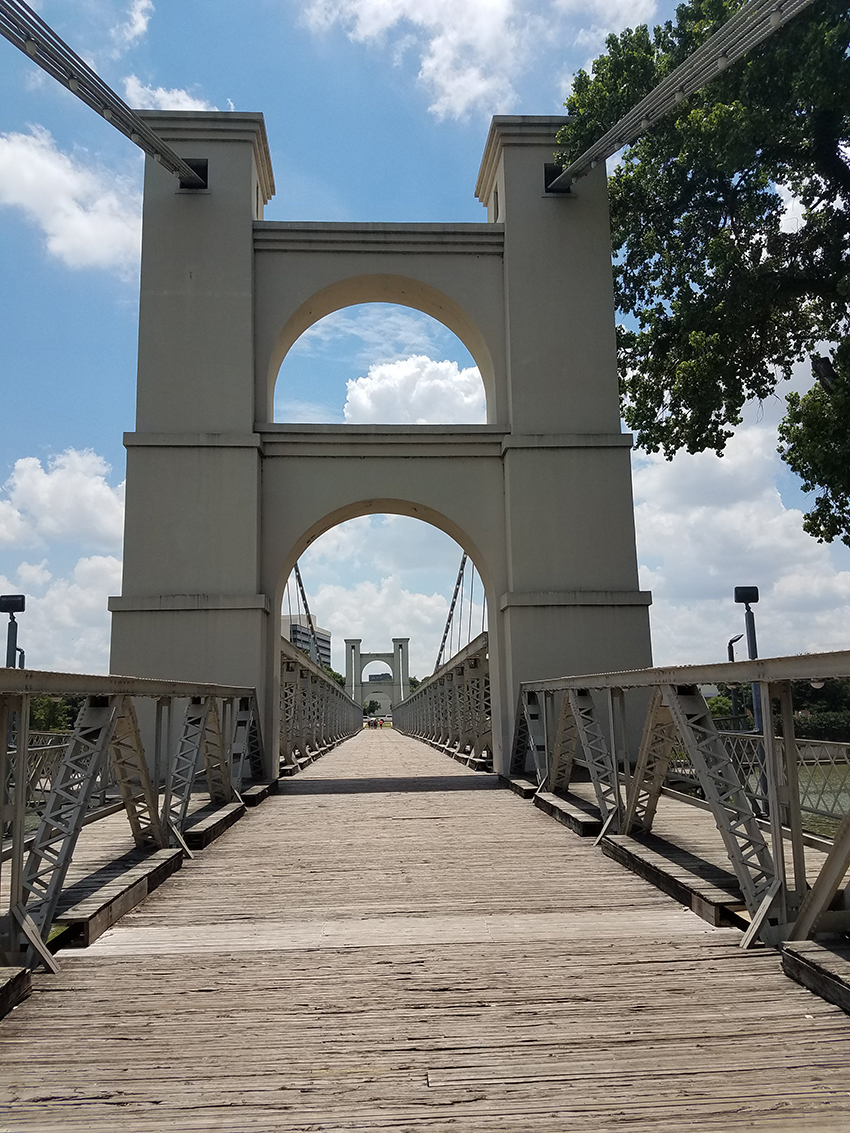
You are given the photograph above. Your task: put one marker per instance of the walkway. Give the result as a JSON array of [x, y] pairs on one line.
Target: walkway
[[396, 943]]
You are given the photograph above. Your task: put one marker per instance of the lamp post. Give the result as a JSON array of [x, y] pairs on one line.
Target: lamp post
[[747, 595], [730, 653], [12, 604]]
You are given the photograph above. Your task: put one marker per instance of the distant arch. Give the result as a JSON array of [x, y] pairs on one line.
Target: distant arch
[[382, 288], [384, 506]]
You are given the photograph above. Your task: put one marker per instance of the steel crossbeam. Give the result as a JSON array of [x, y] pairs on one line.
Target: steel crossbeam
[[657, 743], [140, 799], [600, 759], [745, 844], [56, 836]]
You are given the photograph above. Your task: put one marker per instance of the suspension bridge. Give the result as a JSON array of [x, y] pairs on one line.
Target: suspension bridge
[[539, 901]]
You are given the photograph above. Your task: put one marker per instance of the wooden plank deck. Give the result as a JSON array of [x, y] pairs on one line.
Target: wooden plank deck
[[396, 943]]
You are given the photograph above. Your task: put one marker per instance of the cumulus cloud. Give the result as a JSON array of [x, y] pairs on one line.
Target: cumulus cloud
[[706, 524], [142, 97], [417, 391], [133, 27], [69, 500], [66, 629], [90, 217], [472, 53]]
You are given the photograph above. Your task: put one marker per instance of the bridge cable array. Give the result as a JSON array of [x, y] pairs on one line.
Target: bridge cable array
[[455, 624], [750, 26], [314, 641], [30, 34]]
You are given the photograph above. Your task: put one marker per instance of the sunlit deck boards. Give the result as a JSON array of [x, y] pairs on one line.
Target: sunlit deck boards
[[396, 943]]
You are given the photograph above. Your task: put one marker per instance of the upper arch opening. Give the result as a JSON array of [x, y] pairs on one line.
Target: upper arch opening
[[424, 382]]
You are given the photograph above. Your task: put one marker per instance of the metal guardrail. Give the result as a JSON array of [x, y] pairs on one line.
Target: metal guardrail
[[316, 713], [823, 776], [747, 781], [451, 709], [191, 728]]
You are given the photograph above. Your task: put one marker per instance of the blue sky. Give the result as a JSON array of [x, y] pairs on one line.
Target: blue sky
[[376, 110]]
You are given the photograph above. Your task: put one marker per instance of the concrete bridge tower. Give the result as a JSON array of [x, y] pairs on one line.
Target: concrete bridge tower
[[221, 501]]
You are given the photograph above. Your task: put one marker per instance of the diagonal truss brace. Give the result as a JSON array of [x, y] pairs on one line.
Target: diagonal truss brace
[[523, 745], [201, 737], [247, 743], [656, 749], [533, 711], [133, 778], [745, 844], [56, 837], [564, 749], [600, 761]]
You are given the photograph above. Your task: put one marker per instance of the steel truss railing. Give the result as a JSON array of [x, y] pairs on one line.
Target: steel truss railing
[[316, 714], [758, 787], [451, 710], [219, 736]]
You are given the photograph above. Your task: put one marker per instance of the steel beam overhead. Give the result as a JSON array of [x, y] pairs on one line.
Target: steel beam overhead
[[30, 34], [749, 27]]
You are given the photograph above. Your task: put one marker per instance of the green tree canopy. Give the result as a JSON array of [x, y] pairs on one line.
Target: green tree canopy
[[723, 296]]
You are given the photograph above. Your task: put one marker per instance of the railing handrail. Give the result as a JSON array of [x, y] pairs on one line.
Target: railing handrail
[[293, 653], [801, 666], [475, 646], [40, 682]]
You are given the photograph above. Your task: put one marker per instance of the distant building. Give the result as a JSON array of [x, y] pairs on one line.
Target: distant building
[[296, 629], [380, 676]]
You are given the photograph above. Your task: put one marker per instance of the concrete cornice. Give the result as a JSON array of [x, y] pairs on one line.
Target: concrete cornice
[[275, 439], [513, 130], [566, 440], [577, 598], [452, 239], [214, 126], [382, 441], [147, 602]]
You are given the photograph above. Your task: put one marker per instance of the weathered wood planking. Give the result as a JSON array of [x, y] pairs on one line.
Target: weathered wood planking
[[558, 992]]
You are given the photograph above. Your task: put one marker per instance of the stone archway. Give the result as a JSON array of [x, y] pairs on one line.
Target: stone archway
[[221, 501]]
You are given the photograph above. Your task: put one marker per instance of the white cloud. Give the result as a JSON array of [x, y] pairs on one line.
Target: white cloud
[[416, 390], [134, 27], [142, 97], [32, 576], [90, 217], [67, 628], [69, 501], [470, 53], [706, 524]]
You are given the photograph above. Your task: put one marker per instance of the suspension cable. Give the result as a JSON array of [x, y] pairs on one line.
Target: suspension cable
[[750, 26], [29, 33], [451, 611], [314, 641]]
